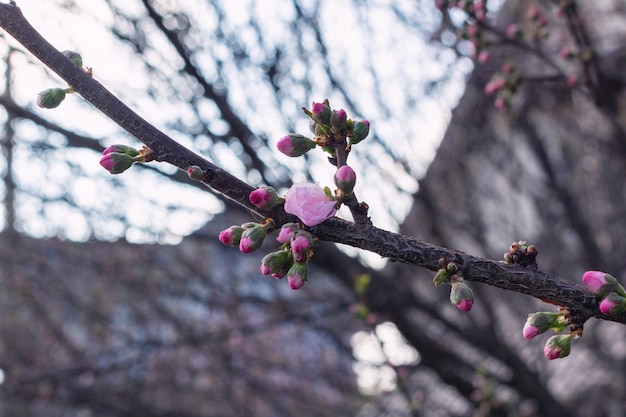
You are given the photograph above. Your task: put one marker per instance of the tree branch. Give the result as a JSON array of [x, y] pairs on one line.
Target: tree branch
[[393, 246]]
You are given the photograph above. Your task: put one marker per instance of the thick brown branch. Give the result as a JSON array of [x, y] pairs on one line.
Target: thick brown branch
[[390, 245]]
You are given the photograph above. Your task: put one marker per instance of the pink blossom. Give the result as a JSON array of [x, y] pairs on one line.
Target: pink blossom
[[594, 280], [265, 269], [309, 203]]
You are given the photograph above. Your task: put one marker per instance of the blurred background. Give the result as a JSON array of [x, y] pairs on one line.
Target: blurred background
[[118, 299]]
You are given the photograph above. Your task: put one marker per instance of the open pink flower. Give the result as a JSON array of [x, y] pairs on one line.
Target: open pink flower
[[309, 203]]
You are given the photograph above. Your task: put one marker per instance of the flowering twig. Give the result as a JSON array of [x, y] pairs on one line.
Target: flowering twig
[[393, 246]]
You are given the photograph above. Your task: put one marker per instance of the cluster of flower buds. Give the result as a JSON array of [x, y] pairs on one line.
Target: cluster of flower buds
[[606, 287], [118, 158], [310, 203], [52, 97], [472, 32], [538, 27], [248, 237], [335, 133], [290, 260], [539, 23], [559, 345], [292, 257], [476, 9], [522, 253], [503, 85], [331, 128], [461, 295]]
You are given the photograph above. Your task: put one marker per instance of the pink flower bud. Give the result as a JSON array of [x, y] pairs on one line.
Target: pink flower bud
[[338, 120], [286, 232], [295, 145], [483, 56], [601, 283], [558, 346], [461, 296], [321, 113], [345, 178], [300, 244], [513, 31], [276, 263], [231, 236], [128, 150], [613, 304], [542, 321], [501, 104], [309, 203], [494, 85], [572, 81], [116, 163], [297, 275], [265, 197], [530, 331], [252, 238]]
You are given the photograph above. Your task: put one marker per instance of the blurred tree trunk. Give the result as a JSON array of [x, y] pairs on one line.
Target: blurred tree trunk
[[550, 171]]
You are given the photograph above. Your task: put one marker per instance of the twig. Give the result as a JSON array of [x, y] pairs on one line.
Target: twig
[[395, 247]]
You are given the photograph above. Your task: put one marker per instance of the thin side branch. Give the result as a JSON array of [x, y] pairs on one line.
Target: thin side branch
[[393, 246]]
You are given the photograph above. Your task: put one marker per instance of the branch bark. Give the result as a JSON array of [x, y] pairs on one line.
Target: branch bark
[[393, 246]]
